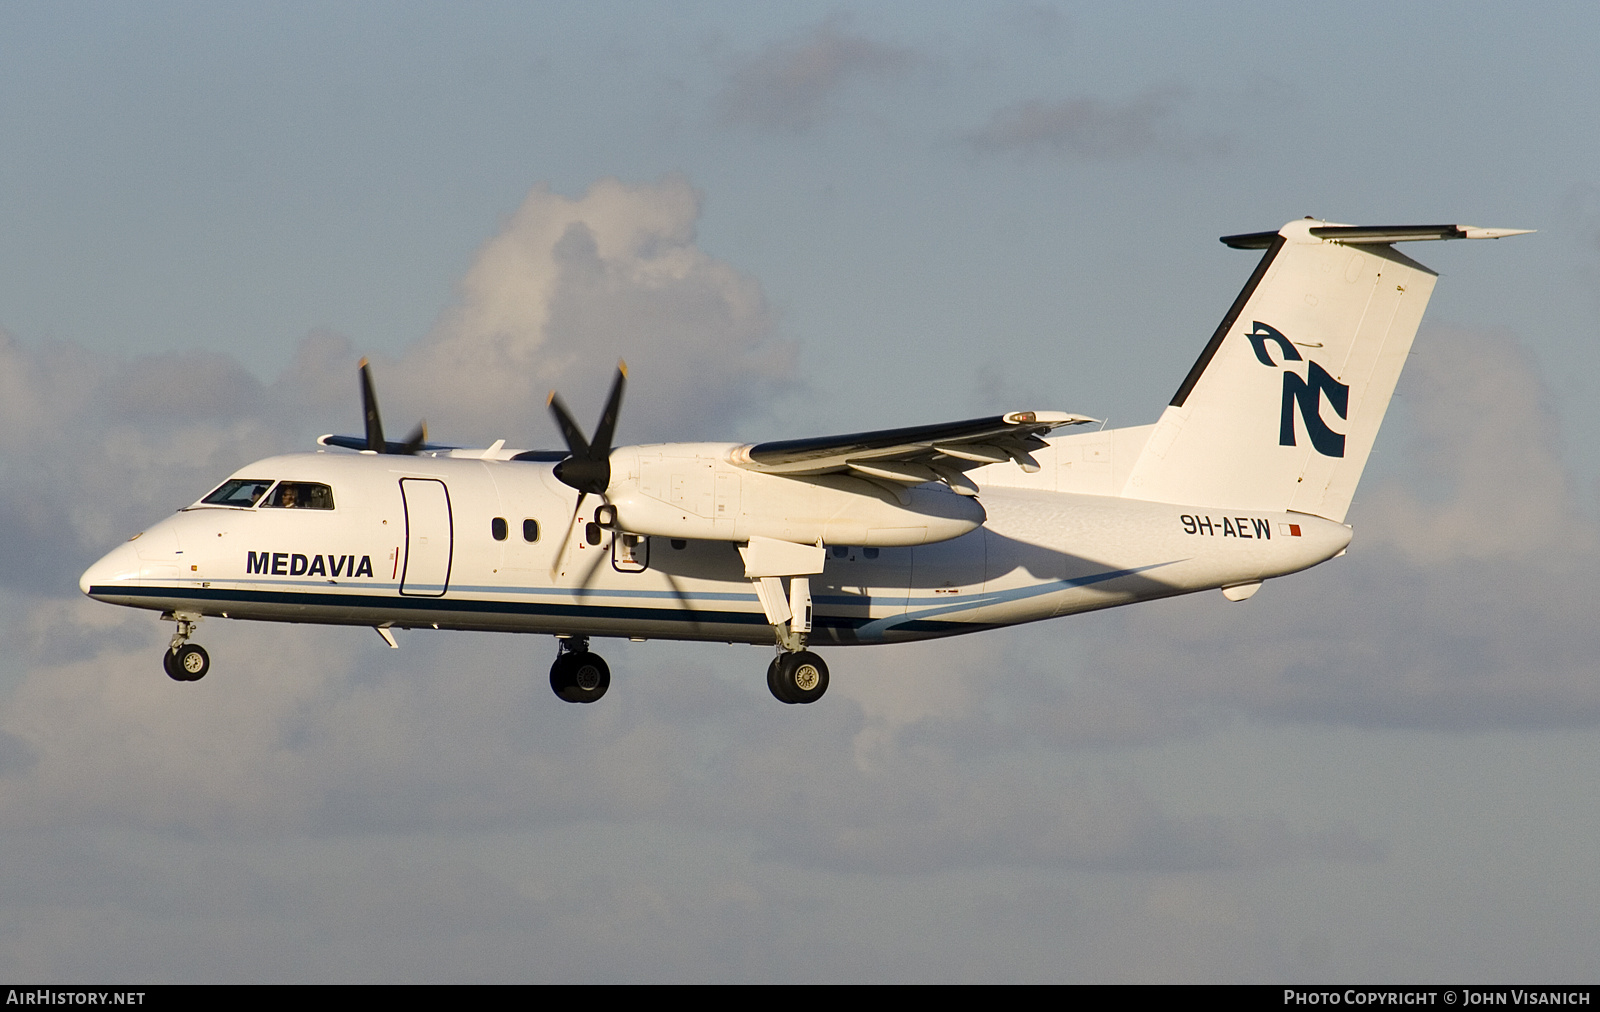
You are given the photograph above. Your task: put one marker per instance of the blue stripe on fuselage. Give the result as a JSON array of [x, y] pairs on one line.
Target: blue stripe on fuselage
[[914, 619]]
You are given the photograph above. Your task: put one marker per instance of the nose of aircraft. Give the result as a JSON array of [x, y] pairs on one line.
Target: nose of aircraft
[[119, 565]]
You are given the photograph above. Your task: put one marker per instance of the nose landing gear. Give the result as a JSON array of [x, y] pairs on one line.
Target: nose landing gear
[[189, 663], [184, 661]]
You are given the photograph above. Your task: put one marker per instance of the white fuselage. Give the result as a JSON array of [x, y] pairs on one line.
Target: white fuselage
[[411, 543]]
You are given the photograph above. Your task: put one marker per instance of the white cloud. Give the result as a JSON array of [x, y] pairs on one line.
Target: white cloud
[[570, 286]]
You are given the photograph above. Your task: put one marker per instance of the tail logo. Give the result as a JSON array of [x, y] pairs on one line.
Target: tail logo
[[1303, 394]]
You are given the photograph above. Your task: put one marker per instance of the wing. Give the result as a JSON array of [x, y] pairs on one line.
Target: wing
[[914, 455], [412, 445]]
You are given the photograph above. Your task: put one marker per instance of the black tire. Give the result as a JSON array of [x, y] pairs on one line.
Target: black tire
[[800, 677], [774, 682], [189, 663], [580, 677], [166, 665]]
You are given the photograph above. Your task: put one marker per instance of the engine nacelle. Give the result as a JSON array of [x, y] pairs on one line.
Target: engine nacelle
[[689, 490]]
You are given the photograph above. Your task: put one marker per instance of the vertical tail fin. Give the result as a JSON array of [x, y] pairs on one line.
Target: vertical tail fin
[[1281, 410]]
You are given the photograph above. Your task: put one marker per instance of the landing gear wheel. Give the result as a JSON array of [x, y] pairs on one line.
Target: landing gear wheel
[[189, 663], [773, 685], [800, 677], [580, 677]]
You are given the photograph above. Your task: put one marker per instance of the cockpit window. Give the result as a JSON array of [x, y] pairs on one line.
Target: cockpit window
[[238, 492], [300, 495]]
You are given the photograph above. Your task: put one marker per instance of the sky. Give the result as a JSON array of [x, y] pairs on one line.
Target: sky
[[793, 220]]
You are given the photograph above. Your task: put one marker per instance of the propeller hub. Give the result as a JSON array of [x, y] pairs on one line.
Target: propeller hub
[[589, 476]]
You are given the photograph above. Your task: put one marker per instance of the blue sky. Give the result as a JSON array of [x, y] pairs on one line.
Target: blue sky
[[812, 218]]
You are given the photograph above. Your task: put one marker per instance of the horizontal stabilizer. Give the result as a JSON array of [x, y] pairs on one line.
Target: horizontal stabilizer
[[1364, 235]]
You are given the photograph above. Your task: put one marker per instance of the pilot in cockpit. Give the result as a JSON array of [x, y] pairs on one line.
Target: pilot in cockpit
[[302, 495]]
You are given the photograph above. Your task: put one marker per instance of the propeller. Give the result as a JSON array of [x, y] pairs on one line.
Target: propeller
[[587, 466], [369, 408]]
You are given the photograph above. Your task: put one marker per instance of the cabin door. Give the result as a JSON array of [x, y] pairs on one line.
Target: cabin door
[[428, 537]]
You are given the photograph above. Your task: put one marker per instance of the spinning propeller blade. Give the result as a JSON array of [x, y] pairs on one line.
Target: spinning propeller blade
[[587, 466], [369, 408]]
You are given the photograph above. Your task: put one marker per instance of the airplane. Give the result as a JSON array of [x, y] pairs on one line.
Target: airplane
[[875, 537]]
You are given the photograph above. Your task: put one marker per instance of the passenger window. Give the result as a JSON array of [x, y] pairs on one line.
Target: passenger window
[[530, 530], [238, 492], [300, 495], [497, 527]]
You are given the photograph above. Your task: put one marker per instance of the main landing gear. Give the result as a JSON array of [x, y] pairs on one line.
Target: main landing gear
[[182, 660], [578, 676], [796, 675]]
